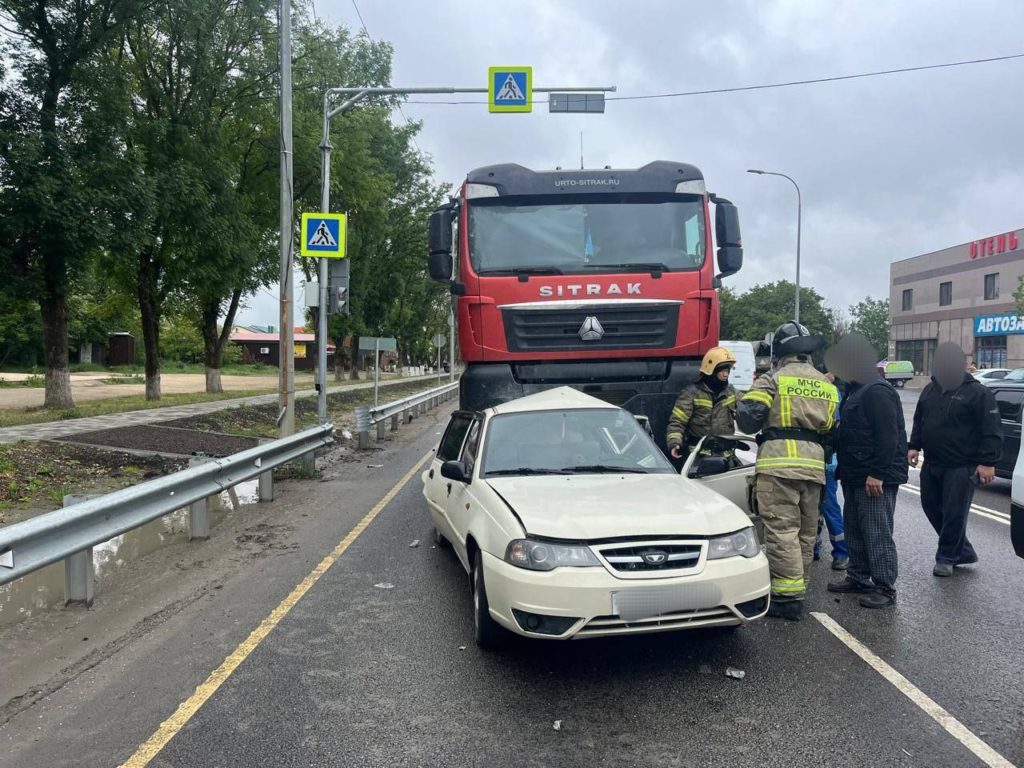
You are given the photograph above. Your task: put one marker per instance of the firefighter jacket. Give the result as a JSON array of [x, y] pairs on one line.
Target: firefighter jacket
[[794, 408], [699, 412]]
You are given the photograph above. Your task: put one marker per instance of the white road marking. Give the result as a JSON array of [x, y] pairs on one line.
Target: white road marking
[[991, 514], [950, 724]]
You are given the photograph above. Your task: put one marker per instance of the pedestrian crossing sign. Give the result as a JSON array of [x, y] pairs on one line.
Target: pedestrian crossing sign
[[510, 89], [323, 235]]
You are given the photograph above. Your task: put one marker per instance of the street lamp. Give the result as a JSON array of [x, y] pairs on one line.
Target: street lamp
[[799, 205]]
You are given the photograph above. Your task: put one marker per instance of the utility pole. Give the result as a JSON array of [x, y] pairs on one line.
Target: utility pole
[[286, 346]]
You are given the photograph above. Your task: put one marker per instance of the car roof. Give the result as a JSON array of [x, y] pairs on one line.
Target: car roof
[[558, 399], [996, 383]]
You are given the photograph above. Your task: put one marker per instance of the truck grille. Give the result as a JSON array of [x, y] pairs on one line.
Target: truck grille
[[646, 326]]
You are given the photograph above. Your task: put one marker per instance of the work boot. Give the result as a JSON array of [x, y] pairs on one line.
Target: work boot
[[848, 586], [942, 569], [840, 563], [788, 609], [876, 599]]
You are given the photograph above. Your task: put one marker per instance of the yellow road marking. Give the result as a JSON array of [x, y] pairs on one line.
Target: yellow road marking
[[188, 708]]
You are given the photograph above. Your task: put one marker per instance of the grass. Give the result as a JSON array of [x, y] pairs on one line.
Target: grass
[[129, 379], [34, 381]]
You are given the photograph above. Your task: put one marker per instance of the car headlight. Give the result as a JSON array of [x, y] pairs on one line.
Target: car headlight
[[743, 543], [545, 555]]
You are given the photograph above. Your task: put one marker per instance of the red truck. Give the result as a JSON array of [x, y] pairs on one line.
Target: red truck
[[597, 279]]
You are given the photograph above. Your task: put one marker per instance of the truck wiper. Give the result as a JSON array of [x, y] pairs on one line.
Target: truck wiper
[[525, 471], [605, 468], [639, 266], [522, 271]]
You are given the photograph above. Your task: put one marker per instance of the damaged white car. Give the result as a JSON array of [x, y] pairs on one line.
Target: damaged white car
[[571, 523]]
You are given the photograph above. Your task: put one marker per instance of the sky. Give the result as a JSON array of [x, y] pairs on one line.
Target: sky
[[889, 167]]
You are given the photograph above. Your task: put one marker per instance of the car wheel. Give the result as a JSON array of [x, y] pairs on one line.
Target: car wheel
[[488, 633], [439, 540]]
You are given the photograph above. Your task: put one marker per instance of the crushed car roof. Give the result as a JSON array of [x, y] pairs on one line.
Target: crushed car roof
[[558, 399]]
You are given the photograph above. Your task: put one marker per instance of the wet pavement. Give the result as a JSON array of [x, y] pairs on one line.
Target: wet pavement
[[364, 676]]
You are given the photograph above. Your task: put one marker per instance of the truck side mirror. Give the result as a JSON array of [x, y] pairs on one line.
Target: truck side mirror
[[727, 234], [439, 240]]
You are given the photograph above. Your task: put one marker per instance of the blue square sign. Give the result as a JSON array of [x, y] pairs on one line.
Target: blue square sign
[[510, 89], [323, 235]]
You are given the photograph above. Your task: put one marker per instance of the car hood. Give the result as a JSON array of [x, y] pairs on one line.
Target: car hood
[[588, 507]]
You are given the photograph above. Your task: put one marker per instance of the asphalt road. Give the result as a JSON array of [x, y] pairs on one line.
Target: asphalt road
[[361, 675]]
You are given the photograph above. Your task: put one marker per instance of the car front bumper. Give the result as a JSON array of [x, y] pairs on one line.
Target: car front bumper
[[725, 593]]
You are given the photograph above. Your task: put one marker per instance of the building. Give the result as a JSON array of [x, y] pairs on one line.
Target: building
[[962, 294], [265, 348]]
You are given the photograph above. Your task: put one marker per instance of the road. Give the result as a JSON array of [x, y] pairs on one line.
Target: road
[[356, 673]]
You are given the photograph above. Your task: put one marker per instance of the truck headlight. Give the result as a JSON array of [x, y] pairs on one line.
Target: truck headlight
[[545, 555], [742, 543]]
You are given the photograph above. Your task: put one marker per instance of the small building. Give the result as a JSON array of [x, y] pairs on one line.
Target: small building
[[265, 348], [120, 349], [962, 294]]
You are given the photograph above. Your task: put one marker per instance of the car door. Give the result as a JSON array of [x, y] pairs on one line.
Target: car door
[[734, 483], [457, 496], [437, 488], [1010, 402]]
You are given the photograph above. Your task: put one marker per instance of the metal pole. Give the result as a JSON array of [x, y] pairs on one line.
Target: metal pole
[[799, 216], [325, 207], [376, 370], [438, 362], [286, 347], [451, 345]]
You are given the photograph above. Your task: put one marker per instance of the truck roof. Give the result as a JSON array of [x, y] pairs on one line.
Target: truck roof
[[660, 176]]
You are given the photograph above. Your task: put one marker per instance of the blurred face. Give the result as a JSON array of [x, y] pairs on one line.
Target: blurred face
[[948, 365], [853, 359]]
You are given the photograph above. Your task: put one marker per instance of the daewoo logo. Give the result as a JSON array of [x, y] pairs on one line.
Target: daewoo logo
[[589, 289], [654, 557]]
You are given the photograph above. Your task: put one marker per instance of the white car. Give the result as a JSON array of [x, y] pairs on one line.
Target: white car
[[991, 374], [571, 523]]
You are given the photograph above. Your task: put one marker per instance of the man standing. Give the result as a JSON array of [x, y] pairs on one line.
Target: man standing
[[706, 407], [794, 409], [957, 425], [872, 466], [831, 512]]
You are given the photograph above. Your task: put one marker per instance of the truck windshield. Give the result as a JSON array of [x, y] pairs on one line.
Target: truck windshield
[[580, 236]]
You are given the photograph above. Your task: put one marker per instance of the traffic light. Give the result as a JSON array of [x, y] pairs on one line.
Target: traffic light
[[337, 291]]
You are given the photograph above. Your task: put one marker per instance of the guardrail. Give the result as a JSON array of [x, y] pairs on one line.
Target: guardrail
[[400, 410], [69, 534]]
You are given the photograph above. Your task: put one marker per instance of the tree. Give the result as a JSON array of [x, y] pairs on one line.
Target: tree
[[749, 316], [56, 143], [871, 320]]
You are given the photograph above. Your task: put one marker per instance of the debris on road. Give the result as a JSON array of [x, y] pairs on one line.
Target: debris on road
[[374, 466], [735, 674], [415, 543], [347, 435], [384, 585], [462, 647], [558, 725]]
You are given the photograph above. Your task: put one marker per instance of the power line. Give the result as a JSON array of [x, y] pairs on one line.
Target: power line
[[786, 84]]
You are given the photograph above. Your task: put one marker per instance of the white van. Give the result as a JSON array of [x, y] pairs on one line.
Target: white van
[[743, 372]]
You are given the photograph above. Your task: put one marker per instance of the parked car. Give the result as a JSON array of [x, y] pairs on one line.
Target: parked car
[[743, 373], [898, 372], [991, 374], [1017, 374], [1010, 400], [571, 523]]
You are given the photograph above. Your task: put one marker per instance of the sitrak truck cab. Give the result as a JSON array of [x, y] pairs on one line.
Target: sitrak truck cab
[[601, 280]]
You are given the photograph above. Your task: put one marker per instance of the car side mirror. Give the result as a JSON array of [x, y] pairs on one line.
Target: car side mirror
[[440, 266], [455, 470], [727, 235]]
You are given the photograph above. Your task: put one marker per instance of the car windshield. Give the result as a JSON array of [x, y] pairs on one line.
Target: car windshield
[[1016, 375], [582, 441], [580, 236]]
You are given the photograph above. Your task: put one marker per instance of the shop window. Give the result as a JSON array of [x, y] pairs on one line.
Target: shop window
[[917, 351], [992, 286], [990, 352], [908, 299], [945, 294]]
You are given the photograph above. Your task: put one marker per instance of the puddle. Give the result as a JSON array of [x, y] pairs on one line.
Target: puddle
[[44, 589]]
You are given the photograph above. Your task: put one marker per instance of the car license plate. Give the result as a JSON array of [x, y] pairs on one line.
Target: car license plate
[[645, 602]]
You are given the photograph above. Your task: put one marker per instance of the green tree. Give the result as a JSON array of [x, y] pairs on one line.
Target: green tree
[[871, 320], [749, 316], [56, 145]]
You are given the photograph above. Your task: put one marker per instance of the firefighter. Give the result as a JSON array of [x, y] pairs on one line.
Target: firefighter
[[706, 407], [794, 408]]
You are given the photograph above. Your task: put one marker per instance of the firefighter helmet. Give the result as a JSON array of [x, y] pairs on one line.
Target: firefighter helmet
[[715, 358], [791, 338]]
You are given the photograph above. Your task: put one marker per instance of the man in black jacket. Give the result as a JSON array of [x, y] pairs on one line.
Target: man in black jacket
[[872, 450], [957, 426]]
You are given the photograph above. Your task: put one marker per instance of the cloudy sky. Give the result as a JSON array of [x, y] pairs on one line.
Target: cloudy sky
[[890, 167]]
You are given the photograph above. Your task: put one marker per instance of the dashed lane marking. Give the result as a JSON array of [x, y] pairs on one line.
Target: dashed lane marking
[[950, 724], [185, 711]]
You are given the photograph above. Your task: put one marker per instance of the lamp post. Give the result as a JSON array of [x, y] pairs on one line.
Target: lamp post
[[799, 206]]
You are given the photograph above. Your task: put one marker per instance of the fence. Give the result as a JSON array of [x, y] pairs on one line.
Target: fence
[[399, 410]]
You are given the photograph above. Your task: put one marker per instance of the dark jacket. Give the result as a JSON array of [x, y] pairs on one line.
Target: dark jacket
[[958, 428], [872, 435]]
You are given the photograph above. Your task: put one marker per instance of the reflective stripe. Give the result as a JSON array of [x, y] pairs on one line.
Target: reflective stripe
[[676, 436], [786, 410], [785, 586], [703, 402], [759, 396], [729, 400], [782, 462], [680, 414]]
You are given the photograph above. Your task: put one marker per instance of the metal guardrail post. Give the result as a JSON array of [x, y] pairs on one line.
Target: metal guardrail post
[[307, 464], [394, 422], [380, 429], [79, 572], [363, 426], [199, 510], [407, 415], [265, 483]]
